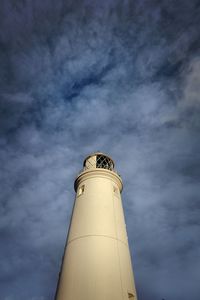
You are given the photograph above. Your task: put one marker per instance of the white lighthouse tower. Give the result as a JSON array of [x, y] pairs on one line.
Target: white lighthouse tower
[[96, 263]]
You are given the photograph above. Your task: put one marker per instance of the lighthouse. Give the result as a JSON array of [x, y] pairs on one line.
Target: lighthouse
[[97, 263]]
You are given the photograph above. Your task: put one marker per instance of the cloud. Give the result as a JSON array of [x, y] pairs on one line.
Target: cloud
[[192, 82], [119, 77]]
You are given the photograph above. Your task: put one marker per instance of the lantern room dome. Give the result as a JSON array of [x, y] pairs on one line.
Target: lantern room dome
[[98, 160]]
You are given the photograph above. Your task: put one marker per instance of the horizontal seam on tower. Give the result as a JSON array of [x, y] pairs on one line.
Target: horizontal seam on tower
[[89, 235]]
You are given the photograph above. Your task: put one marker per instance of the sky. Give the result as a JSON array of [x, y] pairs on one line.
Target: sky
[[121, 77]]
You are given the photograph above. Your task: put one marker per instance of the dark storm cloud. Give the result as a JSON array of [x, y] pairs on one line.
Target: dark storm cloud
[[117, 76]]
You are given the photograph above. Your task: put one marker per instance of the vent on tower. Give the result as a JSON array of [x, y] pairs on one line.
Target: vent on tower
[[130, 296], [115, 190], [81, 190]]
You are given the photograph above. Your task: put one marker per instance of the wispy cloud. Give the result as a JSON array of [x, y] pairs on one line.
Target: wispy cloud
[[116, 76]]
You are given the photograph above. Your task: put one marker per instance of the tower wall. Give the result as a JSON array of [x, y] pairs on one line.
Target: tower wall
[[97, 263]]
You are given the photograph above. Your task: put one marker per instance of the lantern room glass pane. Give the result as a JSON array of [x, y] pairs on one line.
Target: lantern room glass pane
[[104, 162]]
